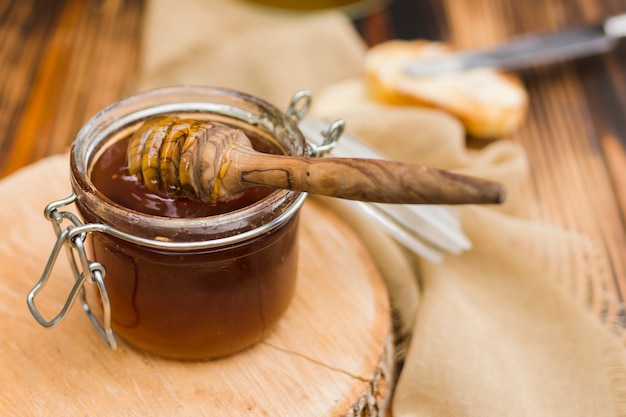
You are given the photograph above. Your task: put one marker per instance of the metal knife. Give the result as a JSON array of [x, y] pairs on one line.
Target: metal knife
[[530, 50]]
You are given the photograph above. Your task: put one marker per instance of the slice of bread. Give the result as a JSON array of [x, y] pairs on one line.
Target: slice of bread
[[490, 103]]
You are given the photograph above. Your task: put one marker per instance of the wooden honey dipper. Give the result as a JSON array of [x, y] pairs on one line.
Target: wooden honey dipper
[[209, 161]]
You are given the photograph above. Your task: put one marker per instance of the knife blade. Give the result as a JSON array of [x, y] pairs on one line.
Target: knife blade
[[529, 50]]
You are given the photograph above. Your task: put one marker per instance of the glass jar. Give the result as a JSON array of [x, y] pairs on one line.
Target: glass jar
[[186, 288]]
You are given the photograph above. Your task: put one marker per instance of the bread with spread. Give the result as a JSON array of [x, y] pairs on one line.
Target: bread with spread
[[490, 103]]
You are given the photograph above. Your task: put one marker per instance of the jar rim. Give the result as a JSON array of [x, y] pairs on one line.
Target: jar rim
[[180, 233]]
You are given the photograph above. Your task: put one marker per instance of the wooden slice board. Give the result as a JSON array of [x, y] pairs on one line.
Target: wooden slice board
[[330, 355]]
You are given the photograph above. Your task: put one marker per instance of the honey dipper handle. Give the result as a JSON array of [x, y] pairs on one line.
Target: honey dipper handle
[[373, 180]]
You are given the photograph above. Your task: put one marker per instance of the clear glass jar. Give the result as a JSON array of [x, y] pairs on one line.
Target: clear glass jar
[[186, 288]]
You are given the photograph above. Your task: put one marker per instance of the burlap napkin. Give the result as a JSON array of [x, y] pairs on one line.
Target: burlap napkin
[[489, 332]]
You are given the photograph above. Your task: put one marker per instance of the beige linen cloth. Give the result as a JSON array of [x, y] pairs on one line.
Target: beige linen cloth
[[491, 331]]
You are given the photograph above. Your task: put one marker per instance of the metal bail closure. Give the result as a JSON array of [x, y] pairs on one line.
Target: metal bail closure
[[299, 105], [298, 108], [331, 136], [73, 239]]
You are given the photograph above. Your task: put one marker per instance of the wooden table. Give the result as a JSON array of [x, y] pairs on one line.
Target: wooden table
[[576, 130], [63, 61]]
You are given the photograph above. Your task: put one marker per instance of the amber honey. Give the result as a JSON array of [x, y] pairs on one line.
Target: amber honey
[[187, 279], [110, 176]]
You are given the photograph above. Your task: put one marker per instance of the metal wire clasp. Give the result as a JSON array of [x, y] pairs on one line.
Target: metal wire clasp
[[298, 107], [73, 239], [330, 136]]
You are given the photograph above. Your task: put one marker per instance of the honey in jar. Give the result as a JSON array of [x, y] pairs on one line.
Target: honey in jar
[[187, 279]]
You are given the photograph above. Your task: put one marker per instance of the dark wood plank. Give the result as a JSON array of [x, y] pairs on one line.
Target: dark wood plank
[[575, 136], [404, 19], [66, 62]]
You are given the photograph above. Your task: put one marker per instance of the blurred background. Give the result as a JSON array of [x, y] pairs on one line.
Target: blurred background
[[61, 61]]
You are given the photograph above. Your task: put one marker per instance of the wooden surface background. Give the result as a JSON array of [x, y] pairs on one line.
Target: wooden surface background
[[61, 61]]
